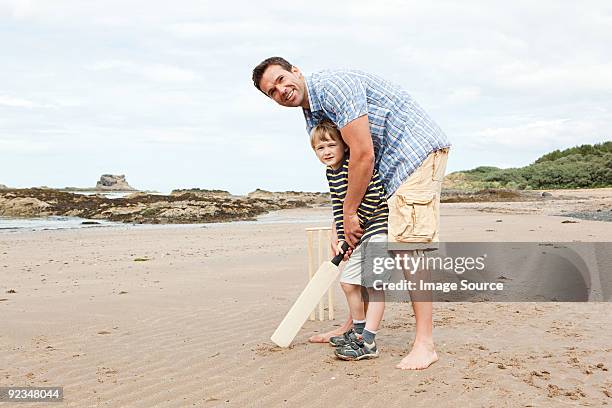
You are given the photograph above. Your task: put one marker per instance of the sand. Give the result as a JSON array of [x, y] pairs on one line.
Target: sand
[[177, 317]]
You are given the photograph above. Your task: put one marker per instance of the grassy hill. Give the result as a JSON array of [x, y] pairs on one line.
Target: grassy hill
[[585, 166]]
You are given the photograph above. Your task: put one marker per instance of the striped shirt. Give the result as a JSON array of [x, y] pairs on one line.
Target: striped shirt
[[372, 211], [402, 133]]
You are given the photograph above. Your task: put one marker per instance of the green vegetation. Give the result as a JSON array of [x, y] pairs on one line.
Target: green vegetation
[[599, 149], [586, 166]]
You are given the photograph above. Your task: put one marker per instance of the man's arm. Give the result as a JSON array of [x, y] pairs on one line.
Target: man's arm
[[356, 135]]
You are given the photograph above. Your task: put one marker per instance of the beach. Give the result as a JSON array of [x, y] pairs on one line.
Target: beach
[[175, 317]]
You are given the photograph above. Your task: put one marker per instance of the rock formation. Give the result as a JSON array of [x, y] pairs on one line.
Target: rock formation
[[111, 182], [202, 193], [3, 187], [191, 206], [177, 208], [12, 205], [307, 197]]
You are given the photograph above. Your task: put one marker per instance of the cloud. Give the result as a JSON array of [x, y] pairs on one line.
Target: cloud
[[152, 72], [12, 102], [582, 76], [171, 80], [24, 146], [212, 29], [540, 135], [463, 95]]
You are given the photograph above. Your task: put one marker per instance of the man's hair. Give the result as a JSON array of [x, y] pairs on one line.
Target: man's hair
[[325, 131], [263, 65]]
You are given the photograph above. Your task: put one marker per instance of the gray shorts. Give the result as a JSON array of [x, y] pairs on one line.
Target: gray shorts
[[358, 270]]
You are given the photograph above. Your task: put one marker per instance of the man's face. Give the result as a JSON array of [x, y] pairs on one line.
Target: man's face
[[287, 88]]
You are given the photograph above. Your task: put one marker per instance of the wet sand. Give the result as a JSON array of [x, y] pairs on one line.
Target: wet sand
[[179, 317]]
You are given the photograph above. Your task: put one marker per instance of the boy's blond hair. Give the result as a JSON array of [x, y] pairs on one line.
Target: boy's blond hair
[[324, 131]]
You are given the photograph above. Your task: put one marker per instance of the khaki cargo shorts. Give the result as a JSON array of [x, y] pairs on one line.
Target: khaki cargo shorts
[[414, 209]]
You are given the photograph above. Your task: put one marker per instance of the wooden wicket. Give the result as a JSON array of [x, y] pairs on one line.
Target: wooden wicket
[[323, 236]]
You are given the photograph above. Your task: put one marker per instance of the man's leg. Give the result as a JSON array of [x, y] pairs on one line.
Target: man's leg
[[423, 352], [426, 179]]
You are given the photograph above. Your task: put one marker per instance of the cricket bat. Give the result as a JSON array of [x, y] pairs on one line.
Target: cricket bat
[[308, 300]]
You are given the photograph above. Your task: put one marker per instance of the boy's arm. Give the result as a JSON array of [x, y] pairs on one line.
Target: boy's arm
[[356, 135], [334, 238]]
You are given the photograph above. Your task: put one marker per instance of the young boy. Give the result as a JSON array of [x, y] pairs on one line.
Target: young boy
[[359, 341]]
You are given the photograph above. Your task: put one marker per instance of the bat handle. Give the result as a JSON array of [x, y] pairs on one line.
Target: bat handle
[[338, 258]]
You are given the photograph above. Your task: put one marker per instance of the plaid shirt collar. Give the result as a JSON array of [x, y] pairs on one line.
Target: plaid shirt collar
[[315, 113], [313, 98]]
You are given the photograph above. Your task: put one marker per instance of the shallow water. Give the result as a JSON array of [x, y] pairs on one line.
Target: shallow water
[[108, 194], [8, 224]]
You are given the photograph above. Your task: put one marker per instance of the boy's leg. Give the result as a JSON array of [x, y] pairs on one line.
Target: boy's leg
[[374, 315], [354, 300], [364, 346], [346, 326], [357, 314], [350, 280], [324, 337]]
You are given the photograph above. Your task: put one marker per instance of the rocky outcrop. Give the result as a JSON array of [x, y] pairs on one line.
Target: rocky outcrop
[[138, 208], [308, 198], [487, 195], [197, 206], [111, 182], [14, 206], [3, 187], [202, 192]]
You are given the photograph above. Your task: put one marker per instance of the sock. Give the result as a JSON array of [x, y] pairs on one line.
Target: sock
[[359, 325], [369, 336]]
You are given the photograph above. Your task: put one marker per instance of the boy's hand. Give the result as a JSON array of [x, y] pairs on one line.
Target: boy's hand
[[337, 248], [336, 245]]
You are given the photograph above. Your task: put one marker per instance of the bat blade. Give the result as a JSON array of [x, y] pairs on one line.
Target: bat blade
[[305, 303]]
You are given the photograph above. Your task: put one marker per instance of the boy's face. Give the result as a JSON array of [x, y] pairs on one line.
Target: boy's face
[[330, 153]]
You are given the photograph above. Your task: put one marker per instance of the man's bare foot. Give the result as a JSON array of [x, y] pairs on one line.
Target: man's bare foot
[[324, 338], [420, 357]]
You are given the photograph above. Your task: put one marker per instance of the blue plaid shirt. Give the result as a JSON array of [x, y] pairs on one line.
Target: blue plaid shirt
[[402, 133]]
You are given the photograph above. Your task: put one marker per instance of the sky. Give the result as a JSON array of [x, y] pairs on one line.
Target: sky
[[161, 91]]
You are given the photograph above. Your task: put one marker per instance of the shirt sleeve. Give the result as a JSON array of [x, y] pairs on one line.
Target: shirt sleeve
[[344, 98]]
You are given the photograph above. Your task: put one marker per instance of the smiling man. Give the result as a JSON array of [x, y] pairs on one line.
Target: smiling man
[[386, 129]]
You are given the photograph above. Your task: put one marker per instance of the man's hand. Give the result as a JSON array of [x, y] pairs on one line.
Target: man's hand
[[352, 230]]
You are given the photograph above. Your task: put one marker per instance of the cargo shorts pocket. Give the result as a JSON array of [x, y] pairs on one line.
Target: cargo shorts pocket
[[412, 216], [439, 164]]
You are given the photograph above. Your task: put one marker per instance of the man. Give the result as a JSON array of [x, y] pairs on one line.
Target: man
[[383, 128]]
